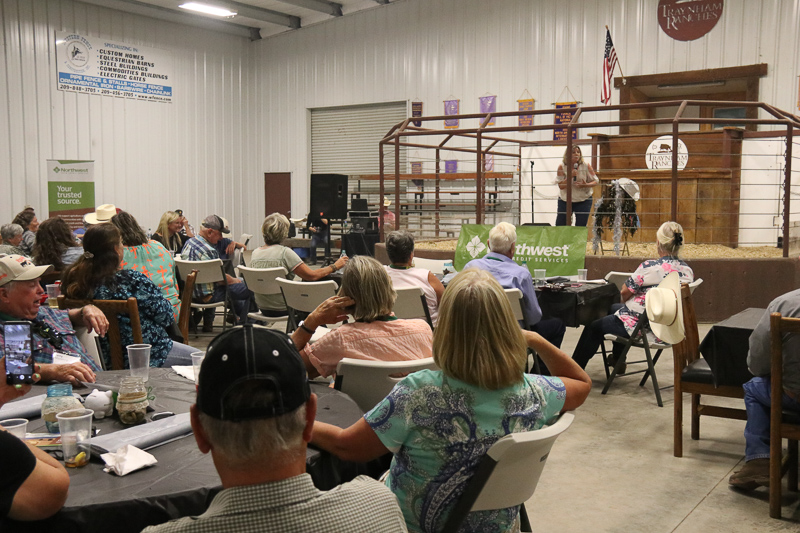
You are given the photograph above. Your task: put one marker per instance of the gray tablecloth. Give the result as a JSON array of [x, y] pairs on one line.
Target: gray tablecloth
[[184, 481]]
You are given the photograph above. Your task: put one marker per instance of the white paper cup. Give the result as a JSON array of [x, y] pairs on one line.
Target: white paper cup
[[16, 426], [139, 360], [76, 436], [582, 274], [197, 360]]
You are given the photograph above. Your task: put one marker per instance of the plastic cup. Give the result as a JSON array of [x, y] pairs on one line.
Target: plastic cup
[[53, 291], [582, 274], [76, 436], [16, 426], [539, 275], [197, 360], [139, 360]]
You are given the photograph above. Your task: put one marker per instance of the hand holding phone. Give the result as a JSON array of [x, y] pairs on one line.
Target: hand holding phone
[[18, 351]]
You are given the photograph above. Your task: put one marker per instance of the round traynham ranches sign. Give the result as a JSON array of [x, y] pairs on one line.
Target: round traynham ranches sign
[[687, 20], [659, 153]]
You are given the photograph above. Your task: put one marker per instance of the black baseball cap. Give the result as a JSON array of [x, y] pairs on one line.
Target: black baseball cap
[[256, 357]]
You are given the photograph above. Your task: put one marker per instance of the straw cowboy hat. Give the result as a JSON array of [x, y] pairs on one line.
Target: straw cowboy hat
[[665, 309], [101, 215], [386, 202]]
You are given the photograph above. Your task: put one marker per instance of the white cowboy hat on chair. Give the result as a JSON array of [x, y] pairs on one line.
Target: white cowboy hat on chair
[[101, 215], [665, 309]]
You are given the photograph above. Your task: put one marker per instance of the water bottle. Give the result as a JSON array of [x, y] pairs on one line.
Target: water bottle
[[448, 267], [344, 253], [149, 233]]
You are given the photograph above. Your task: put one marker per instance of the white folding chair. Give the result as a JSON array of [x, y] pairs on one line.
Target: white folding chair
[[91, 341], [411, 303], [436, 266], [247, 257], [210, 271], [262, 281], [369, 382], [515, 299], [696, 283], [618, 278], [508, 474], [304, 296]]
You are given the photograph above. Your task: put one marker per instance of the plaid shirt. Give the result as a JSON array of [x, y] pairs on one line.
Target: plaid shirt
[[59, 321], [294, 504], [199, 249]]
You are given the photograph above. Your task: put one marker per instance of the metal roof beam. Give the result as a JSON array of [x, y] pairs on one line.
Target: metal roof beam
[[321, 6], [182, 17], [264, 15]]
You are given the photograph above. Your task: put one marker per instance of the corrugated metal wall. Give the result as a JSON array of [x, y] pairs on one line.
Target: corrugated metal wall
[[241, 108], [198, 153], [434, 49]]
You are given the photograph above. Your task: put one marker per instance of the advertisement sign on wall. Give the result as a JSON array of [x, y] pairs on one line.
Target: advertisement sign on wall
[[559, 250], [70, 190], [92, 65]]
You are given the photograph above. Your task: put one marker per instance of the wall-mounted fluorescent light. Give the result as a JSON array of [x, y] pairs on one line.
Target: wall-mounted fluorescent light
[[208, 9], [695, 84]]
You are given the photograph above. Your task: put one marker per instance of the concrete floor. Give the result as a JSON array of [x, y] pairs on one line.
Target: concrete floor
[[613, 470]]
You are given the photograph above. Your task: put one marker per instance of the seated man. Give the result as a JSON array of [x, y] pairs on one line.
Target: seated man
[[500, 263], [255, 413], [12, 237], [53, 329], [202, 248], [226, 246], [757, 391], [33, 485]]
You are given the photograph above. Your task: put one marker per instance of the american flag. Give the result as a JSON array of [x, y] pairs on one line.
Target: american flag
[[609, 64]]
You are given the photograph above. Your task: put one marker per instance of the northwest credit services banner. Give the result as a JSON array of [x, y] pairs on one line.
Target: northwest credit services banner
[[70, 190], [561, 251], [92, 65]]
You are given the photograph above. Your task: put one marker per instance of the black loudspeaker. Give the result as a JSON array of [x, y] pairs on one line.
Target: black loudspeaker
[[329, 196]]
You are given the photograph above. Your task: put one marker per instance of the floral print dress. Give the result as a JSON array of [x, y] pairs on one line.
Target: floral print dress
[[648, 275]]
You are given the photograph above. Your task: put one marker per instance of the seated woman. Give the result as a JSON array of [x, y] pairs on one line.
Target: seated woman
[[148, 257], [11, 235], [275, 229], [400, 249], [439, 424], [55, 245], [169, 233], [97, 275], [377, 335], [27, 219], [669, 240]]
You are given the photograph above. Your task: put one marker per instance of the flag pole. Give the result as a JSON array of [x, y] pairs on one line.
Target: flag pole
[[619, 65]]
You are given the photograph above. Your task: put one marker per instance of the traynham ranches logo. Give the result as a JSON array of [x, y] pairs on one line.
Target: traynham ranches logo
[[659, 153]]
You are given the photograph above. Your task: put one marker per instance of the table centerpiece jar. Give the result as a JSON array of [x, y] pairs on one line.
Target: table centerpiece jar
[[59, 398], [132, 401]]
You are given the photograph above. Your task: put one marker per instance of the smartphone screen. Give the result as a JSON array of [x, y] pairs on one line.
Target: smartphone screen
[[17, 348]]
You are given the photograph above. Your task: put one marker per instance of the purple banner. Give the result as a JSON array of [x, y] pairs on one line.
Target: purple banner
[[416, 167], [451, 108], [488, 162], [416, 111], [451, 166], [564, 117], [526, 105], [488, 105]]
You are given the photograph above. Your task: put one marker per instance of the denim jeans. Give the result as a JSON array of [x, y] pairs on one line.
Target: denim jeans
[[579, 209], [239, 294], [757, 402], [594, 334]]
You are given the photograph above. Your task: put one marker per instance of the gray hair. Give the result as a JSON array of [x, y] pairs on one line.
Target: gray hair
[[670, 237], [249, 442], [399, 246], [10, 231], [365, 280], [502, 237], [275, 228]]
